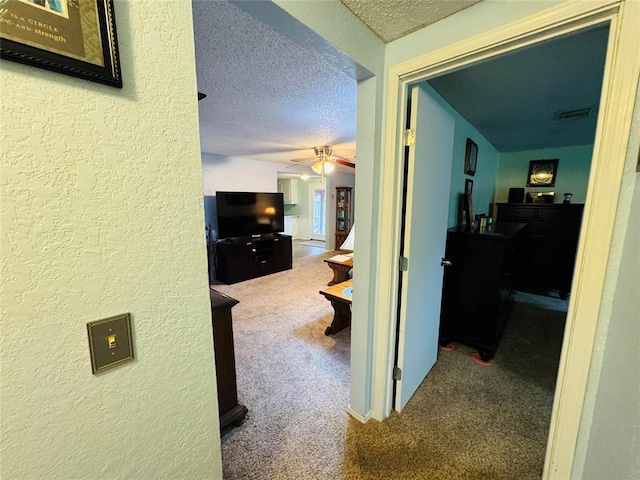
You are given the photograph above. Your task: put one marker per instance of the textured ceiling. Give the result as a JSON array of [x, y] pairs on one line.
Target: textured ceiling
[[269, 97], [276, 89], [392, 19], [512, 100]]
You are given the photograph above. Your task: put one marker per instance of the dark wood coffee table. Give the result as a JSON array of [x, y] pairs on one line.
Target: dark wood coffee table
[[340, 298], [340, 269]]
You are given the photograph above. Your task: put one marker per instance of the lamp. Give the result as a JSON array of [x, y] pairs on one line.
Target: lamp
[[348, 243]]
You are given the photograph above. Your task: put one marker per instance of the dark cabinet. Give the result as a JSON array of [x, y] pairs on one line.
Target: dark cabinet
[[230, 411], [343, 214], [552, 241], [241, 259], [478, 285]]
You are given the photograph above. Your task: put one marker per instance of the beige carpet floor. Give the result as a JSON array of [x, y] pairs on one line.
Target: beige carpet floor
[[313, 243], [464, 422]]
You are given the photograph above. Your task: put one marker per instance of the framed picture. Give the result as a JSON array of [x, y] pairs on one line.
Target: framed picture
[[542, 173], [470, 157], [75, 37], [468, 186]]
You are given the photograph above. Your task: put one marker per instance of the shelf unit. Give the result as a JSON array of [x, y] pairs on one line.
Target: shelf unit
[[344, 214]]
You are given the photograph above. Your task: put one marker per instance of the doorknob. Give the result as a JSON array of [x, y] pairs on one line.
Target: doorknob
[[445, 262]]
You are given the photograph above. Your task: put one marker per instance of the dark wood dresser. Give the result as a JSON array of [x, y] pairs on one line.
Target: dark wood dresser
[[552, 241], [231, 412], [477, 292]]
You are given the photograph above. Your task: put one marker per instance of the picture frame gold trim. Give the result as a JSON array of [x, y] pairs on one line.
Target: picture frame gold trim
[[542, 173], [74, 37]]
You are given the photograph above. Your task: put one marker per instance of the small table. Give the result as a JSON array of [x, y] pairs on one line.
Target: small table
[[340, 268], [340, 296]]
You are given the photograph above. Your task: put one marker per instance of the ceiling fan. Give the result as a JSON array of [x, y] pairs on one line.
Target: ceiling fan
[[324, 162]]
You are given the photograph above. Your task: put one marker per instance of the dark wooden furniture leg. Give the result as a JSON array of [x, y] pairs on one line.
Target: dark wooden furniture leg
[[341, 317], [340, 273]]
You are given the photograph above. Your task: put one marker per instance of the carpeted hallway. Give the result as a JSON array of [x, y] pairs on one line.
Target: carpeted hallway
[[465, 421]]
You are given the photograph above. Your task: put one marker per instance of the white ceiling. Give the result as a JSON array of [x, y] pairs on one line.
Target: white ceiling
[[276, 89], [392, 19], [268, 96]]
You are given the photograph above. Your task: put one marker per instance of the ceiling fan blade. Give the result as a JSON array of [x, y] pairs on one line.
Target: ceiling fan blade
[[346, 163], [340, 157], [306, 159]]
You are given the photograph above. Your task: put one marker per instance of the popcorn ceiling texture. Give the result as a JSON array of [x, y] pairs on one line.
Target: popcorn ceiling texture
[[269, 97], [102, 214], [393, 19]]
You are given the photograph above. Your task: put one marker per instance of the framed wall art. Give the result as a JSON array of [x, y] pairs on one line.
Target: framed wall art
[[471, 157], [468, 186], [75, 37], [542, 173]]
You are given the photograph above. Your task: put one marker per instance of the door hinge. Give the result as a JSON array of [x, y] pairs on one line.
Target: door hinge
[[409, 137], [397, 373], [404, 264]]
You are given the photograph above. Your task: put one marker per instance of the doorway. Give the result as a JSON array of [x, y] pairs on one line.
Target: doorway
[[317, 211], [586, 294], [502, 157]]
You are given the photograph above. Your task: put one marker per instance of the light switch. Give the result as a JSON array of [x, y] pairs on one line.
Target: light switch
[[110, 342]]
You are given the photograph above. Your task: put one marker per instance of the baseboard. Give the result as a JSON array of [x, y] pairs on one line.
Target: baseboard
[[358, 416]]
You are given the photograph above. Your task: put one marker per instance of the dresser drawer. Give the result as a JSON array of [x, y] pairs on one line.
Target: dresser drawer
[[515, 214], [553, 213]]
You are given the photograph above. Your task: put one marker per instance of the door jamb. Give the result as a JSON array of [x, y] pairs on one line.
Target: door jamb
[[614, 123]]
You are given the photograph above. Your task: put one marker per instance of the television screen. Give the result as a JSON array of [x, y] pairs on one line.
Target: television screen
[[247, 213]]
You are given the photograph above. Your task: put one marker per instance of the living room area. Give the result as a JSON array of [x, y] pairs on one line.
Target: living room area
[[295, 380]]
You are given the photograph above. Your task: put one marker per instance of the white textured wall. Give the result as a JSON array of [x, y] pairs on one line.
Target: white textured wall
[[235, 174], [479, 18], [102, 214]]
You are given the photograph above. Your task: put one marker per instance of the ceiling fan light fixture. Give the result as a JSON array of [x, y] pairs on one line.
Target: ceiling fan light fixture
[[322, 167]]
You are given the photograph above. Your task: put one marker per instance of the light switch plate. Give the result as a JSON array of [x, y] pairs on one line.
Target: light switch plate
[[110, 342]]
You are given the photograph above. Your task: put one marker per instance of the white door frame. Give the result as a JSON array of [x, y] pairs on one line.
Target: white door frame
[[614, 124]]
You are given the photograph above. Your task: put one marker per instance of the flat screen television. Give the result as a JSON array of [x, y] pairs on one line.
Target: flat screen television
[[242, 214]]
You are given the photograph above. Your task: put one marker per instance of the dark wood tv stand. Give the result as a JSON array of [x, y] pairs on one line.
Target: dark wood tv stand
[[243, 258]]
